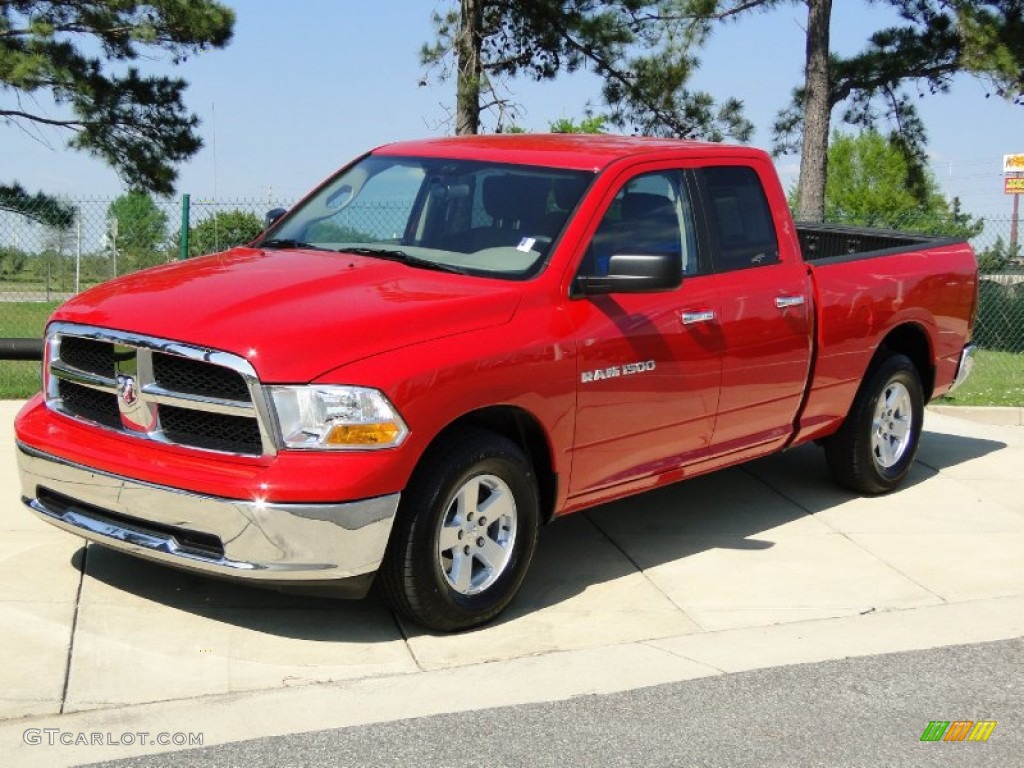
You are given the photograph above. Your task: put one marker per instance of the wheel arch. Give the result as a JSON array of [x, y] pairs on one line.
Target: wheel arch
[[523, 428], [912, 340]]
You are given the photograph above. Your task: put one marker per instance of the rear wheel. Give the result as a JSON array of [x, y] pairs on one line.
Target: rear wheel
[[874, 449], [465, 533]]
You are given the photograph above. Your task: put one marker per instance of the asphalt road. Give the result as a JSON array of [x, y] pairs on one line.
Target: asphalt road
[[869, 711]]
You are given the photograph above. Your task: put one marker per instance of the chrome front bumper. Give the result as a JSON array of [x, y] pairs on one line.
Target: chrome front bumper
[[268, 543]]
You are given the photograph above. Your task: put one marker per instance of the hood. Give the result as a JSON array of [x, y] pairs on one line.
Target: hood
[[295, 314]]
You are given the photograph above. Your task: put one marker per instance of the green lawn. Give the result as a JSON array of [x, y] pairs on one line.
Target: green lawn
[[22, 319], [997, 379], [19, 379]]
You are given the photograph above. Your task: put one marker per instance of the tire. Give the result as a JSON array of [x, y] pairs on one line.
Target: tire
[[874, 449], [465, 533]]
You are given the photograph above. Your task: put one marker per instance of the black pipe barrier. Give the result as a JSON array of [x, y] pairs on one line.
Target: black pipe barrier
[[21, 349]]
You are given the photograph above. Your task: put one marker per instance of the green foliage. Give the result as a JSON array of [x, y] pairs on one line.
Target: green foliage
[[1000, 323], [331, 232], [589, 124], [138, 124], [39, 207], [12, 262], [638, 48], [873, 182], [141, 230], [935, 41], [999, 256], [222, 231]]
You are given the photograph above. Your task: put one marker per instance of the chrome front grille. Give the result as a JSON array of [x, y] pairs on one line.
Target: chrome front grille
[[156, 389]]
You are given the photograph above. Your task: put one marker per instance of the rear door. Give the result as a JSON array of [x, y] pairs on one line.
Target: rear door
[[765, 317]]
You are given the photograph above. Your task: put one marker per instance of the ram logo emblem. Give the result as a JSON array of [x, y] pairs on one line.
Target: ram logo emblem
[[127, 390]]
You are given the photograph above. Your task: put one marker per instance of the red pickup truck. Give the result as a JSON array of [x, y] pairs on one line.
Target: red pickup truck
[[453, 341]]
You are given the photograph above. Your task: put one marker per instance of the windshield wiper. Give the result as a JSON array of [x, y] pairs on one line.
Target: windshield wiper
[[393, 254], [289, 243]]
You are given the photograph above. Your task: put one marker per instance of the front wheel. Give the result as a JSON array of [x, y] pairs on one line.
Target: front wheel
[[465, 533], [874, 449]]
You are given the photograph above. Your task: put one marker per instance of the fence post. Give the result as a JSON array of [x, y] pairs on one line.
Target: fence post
[[78, 250], [183, 233]]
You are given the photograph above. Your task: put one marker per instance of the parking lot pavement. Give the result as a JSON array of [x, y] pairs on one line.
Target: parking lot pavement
[[759, 566]]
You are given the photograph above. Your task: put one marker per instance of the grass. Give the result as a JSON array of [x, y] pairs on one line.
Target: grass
[[997, 379], [22, 319], [19, 379]]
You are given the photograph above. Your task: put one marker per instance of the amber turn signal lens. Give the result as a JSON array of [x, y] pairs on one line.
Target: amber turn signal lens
[[381, 433]]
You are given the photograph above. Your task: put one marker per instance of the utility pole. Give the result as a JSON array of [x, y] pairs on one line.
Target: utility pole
[[1013, 222], [1013, 184]]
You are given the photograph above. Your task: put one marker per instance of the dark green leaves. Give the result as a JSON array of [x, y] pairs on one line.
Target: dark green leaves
[[641, 50], [137, 124], [42, 208]]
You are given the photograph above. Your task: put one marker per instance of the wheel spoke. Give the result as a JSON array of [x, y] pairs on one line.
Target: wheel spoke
[[885, 447], [900, 430], [492, 554], [461, 575], [449, 537], [498, 504], [892, 398], [466, 499]]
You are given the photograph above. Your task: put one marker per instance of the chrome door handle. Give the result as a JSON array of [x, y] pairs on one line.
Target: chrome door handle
[[782, 302], [690, 318]]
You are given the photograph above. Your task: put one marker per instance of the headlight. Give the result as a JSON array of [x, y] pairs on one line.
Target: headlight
[[336, 418]]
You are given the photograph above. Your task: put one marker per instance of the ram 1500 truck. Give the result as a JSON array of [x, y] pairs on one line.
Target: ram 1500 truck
[[453, 341]]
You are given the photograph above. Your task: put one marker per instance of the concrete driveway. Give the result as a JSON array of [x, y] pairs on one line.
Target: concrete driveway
[[759, 566]]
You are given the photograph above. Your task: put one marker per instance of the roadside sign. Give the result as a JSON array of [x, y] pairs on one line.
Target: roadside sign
[[1013, 185], [1013, 163]]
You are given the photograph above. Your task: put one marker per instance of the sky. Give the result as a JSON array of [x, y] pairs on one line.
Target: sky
[[306, 86]]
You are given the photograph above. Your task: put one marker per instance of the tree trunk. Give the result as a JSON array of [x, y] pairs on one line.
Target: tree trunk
[[817, 114], [467, 99]]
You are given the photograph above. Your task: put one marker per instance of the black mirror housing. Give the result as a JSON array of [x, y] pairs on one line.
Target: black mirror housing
[[634, 273], [270, 217]]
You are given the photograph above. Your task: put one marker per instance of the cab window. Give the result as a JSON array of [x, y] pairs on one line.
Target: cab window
[[739, 220], [650, 214]]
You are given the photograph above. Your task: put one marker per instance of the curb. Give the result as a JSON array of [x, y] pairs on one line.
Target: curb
[[983, 414]]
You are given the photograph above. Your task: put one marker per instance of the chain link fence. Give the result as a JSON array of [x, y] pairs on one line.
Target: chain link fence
[[45, 259]]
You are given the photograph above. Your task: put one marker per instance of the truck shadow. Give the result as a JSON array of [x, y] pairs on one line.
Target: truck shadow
[[734, 509]]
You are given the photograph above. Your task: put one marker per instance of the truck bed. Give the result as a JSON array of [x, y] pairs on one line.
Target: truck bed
[[828, 243]]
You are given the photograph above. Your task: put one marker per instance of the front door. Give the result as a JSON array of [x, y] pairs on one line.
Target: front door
[[649, 364]]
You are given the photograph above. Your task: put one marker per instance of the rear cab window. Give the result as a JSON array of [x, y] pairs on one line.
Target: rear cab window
[[738, 218]]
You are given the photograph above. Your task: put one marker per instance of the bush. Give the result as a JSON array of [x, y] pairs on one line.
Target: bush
[[222, 231], [1000, 323]]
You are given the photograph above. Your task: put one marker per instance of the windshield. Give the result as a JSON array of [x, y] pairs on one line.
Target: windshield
[[459, 215]]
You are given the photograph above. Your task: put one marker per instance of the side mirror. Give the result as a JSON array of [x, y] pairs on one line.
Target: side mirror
[[271, 217], [634, 273]]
